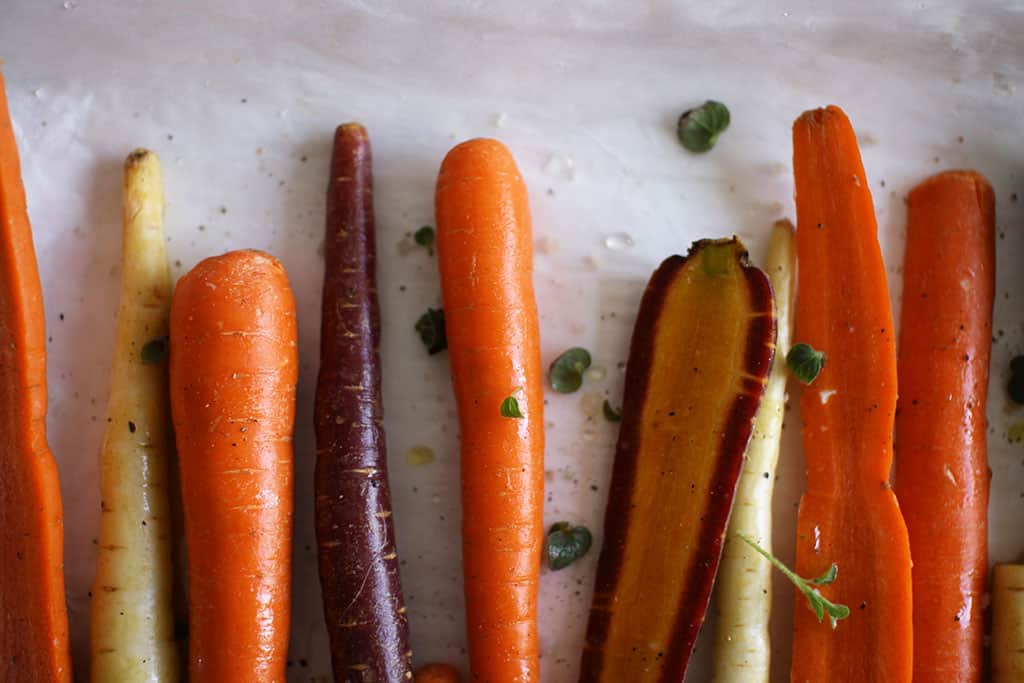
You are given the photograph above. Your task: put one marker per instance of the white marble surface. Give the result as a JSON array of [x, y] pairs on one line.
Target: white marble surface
[[240, 99]]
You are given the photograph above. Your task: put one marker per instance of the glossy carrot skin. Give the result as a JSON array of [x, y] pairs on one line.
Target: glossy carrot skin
[[941, 475], [363, 604], [486, 260], [848, 514], [33, 618], [701, 350], [233, 372]]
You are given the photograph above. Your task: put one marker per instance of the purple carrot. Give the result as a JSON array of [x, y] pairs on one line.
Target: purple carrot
[[362, 593]]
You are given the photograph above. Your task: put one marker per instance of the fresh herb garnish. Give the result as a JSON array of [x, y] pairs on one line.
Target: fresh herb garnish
[[699, 128], [611, 414], [431, 329], [815, 600], [566, 544], [425, 238], [510, 408], [566, 372], [805, 362], [1016, 384], [154, 351]]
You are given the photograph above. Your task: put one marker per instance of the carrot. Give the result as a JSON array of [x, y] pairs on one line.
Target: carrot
[[701, 350], [131, 620], [366, 618], [848, 514], [486, 261], [742, 647], [233, 372], [1008, 623], [437, 673], [941, 476], [33, 619]]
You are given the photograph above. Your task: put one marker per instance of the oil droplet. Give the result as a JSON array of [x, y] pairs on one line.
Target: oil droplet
[[589, 435], [561, 165], [1015, 433], [617, 241], [546, 245], [592, 403], [595, 373], [418, 456], [435, 499]]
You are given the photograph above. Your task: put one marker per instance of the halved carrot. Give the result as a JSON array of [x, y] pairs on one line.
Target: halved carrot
[[33, 618], [485, 251], [701, 350], [941, 476], [848, 514], [233, 372], [363, 604]]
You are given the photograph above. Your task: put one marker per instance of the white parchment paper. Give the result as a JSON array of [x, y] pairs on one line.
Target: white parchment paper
[[240, 99]]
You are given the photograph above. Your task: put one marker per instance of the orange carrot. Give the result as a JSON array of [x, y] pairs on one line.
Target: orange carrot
[[486, 260], [233, 372], [33, 619], [941, 475], [437, 673], [848, 515]]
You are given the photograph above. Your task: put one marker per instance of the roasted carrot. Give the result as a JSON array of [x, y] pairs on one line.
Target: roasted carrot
[[941, 476], [362, 594], [33, 619], [233, 372], [742, 652], [1008, 623], [131, 619], [486, 260], [700, 354], [437, 673], [848, 514]]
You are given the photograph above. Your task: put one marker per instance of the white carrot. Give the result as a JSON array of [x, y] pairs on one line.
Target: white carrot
[[131, 621], [741, 646], [1008, 623]]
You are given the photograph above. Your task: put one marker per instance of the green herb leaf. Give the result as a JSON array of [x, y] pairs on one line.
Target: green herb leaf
[[155, 351], [566, 544], [828, 577], [1016, 384], [611, 414], [425, 237], [431, 329], [805, 362], [815, 600], [698, 129], [510, 408], [566, 372]]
